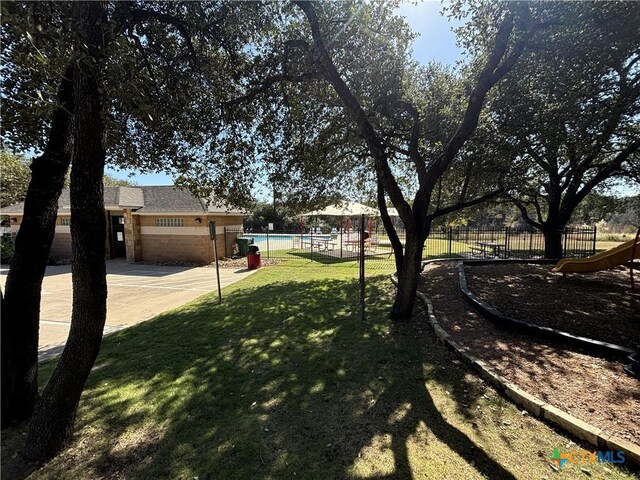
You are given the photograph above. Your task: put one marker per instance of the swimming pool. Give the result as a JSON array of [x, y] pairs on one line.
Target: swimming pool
[[288, 241], [260, 237]]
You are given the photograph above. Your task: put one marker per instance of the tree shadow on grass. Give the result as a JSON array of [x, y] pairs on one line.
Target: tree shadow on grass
[[329, 258], [280, 381]]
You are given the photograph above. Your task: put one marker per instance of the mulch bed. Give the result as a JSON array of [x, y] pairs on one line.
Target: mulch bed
[[224, 263], [591, 388], [598, 305], [242, 263]]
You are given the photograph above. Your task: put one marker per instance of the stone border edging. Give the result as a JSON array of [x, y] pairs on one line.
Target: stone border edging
[[553, 415], [503, 321]]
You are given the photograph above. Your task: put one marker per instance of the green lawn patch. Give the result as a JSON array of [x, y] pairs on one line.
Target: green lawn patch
[[284, 380], [602, 245]]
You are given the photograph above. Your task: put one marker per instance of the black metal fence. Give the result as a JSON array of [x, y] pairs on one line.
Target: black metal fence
[[340, 245]]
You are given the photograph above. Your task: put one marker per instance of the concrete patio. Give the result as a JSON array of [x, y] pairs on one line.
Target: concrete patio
[[136, 293]]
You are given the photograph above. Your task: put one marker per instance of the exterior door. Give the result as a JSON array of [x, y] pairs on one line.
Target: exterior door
[[117, 236]]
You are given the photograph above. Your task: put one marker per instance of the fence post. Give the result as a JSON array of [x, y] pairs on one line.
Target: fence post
[[593, 249], [361, 259], [268, 252], [225, 242], [506, 241], [565, 241], [450, 241]]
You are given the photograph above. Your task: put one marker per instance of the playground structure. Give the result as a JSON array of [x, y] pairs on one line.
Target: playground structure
[[620, 255]]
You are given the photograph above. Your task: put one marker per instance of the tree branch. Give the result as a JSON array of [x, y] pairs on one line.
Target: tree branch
[[492, 72], [524, 213], [270, 82], [373, 141], [414, 154], [461, 205], [396, 244], [138, 15], [612, 167], [539, 160]]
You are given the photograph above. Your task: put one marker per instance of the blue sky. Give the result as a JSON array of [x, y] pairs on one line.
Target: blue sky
[[436, 43]]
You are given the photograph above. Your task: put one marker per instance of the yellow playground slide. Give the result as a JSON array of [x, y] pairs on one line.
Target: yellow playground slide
[[600, 261]]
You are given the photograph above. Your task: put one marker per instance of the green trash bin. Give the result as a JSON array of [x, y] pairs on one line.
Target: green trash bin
[[243, 246]]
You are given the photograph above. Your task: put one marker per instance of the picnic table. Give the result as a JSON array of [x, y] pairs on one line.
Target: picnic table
[[323, 244], [493, 249], [353, 245]]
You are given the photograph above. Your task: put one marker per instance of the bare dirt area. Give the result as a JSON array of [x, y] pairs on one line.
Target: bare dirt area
[[591, 388], [597, 305]]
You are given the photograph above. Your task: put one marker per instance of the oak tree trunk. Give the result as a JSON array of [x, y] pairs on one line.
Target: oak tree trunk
[[52, 424], [21, 308], [408, 278], [552, 243]]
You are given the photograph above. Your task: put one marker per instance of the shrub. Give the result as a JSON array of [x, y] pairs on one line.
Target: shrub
[[6, 248]]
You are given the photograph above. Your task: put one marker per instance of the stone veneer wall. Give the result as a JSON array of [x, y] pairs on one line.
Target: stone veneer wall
[[107, 239], [132, 237]]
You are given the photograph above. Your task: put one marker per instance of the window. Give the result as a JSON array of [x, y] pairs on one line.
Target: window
[[66, 221], [169, 222]]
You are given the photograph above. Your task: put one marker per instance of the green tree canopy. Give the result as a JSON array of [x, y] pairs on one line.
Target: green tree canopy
[[110, 180], [14, 178], [168, 69], [145, 78], [393, 130], [567, 120]]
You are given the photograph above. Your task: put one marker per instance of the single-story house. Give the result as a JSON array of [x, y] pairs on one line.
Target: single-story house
[[152, 224]]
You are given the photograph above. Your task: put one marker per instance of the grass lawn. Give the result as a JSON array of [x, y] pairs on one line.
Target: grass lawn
[[601, 246], [284, 380], [434, 248]]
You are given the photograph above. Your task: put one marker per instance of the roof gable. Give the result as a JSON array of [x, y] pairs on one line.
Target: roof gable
[[170, 199], [147, 199]]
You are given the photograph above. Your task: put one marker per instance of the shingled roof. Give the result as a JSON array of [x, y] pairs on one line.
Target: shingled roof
[[170, 199], [156, 199]]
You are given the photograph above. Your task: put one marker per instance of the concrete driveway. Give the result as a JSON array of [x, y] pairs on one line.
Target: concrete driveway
[[136, 293]]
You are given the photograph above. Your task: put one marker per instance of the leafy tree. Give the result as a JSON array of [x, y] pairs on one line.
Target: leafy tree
[[390, 124], [261, 214], [41, 50], [52, 424], [626, 216], [111, 181], [14, 179], [21, 302], [350, 111], [595, 207], [567, 119], [6, 248]]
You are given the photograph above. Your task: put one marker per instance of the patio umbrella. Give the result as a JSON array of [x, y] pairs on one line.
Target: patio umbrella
[[348, 209]]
